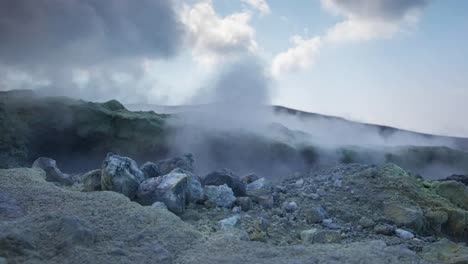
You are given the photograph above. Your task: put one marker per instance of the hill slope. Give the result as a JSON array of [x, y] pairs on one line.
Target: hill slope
[[79, 134]]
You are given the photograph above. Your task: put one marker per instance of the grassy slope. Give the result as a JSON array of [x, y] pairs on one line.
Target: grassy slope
[[78, 135], [66, 129]]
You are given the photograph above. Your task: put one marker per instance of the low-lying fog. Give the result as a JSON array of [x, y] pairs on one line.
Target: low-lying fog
[[230, 123]]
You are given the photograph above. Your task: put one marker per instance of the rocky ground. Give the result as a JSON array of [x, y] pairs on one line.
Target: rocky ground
[[163, 212]]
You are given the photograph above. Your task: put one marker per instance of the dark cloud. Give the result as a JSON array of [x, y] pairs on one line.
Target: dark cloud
[[44, 43], [83, 32], [377, 9]]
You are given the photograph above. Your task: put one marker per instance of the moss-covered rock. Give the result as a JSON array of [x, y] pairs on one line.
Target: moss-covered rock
[[455, 192], [411, 217], [92, 181], [445, 251]]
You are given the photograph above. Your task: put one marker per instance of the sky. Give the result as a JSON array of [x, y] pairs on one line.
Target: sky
[[400, 63]]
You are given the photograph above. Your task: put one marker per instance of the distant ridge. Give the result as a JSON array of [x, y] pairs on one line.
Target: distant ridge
[[385, 131]]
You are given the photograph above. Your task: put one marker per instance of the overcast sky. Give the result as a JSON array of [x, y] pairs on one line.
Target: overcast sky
[[395, 62]]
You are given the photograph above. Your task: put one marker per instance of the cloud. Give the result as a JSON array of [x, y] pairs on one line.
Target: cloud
[[364, 20], [91, 49], [214, 38], [371, 19], [260, 5], [360, 30], [84, 32], [298, 57], [388, 10]]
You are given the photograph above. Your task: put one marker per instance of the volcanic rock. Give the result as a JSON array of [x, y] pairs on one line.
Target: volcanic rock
[[121, 174], [225, 176]]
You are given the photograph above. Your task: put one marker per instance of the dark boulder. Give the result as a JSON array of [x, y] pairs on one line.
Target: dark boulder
[[225, 176], [459, 178], [150, 170], [184, 162]]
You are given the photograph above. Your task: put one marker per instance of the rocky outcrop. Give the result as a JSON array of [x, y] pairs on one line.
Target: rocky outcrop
[[60, 225], [53, 173], [33, 126], [226, 176], [121, 174]]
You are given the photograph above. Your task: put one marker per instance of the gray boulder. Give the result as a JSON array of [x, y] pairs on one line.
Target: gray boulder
[[121, 174], [221, 196], [150, 170], [171, 189], [195, 192], [53, 173], [92, 181], [226, 176], [184, 162], [257, 185]]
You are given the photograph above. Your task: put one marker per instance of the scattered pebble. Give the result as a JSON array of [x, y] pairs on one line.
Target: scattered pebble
[[290, 207], [159, 205], [384, 229], [229, 223], [299, 183], [404, 234], [337, 184], [236, 209]]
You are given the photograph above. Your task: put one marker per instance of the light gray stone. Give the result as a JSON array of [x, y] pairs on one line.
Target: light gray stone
[[404, 234], [53, 173], [221, 196], [231, 222]]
